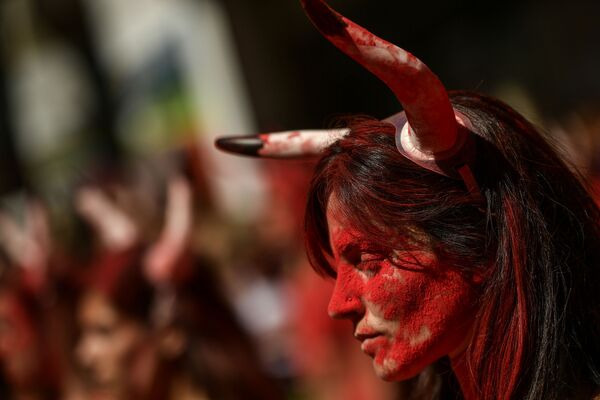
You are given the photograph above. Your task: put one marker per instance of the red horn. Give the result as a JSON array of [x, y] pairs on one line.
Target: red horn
[[433, 127]]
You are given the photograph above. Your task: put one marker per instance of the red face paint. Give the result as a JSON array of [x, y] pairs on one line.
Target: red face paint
[[408, 310]]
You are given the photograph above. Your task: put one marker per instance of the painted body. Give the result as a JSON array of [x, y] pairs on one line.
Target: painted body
[[407, 309]]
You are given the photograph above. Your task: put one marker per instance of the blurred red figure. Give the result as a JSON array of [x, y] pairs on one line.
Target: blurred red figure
[[31, 362], [29, 366], [153, 322]]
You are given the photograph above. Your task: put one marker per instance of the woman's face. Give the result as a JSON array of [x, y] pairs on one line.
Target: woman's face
[[407, 309], [109, 343]]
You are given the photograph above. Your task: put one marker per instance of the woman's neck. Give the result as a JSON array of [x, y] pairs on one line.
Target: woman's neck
[[464, 376]]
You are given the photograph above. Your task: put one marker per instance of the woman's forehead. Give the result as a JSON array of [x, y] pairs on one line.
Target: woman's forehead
[[346, 236], [338, 223], [343, 227]]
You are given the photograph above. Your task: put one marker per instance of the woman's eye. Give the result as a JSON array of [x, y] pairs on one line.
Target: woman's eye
[[370, 264], [410, 259]]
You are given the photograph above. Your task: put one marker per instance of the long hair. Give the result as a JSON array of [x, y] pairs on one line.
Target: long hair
[[535, 240]]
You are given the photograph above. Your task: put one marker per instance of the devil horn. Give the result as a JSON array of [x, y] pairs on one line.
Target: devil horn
[[288, 144], [433, 127]]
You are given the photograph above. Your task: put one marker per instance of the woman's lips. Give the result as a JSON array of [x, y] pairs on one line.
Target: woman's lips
[[370, 342]]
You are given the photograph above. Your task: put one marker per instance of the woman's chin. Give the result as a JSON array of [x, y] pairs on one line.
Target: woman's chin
[[390, 371]]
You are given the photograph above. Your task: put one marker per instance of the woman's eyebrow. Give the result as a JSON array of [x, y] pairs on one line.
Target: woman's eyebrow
[[353, 249]]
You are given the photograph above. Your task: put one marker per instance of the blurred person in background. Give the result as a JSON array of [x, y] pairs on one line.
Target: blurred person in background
[[154, 324], [29, 367], [34, 327]]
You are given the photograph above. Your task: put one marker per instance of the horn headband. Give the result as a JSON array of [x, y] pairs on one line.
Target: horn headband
[[429, 132]]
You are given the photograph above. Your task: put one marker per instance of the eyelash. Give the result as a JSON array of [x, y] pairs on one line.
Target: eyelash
[[406, 259], [371, 265], [372, 261]]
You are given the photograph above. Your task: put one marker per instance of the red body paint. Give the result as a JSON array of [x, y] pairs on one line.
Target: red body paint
[[407, 312]]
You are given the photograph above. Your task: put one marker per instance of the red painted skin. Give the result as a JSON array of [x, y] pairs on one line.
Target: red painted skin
[[407, 309]]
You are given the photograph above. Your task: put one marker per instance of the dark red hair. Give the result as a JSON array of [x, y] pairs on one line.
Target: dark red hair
[[535, 239]]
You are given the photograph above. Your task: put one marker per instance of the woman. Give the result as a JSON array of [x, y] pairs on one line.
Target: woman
[[504, 290], [454, 232]]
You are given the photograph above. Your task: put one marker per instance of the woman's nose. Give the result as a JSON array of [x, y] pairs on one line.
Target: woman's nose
[[345, 301]]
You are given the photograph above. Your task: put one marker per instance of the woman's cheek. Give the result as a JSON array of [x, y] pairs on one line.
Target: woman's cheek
[[384, 294], [416, 302], [398, 293], [452, 295]]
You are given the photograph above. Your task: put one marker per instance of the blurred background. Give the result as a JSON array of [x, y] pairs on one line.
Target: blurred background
[[108, 114]]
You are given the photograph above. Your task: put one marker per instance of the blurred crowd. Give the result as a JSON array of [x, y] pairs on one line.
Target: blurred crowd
[[135, 261], [156, 296]]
